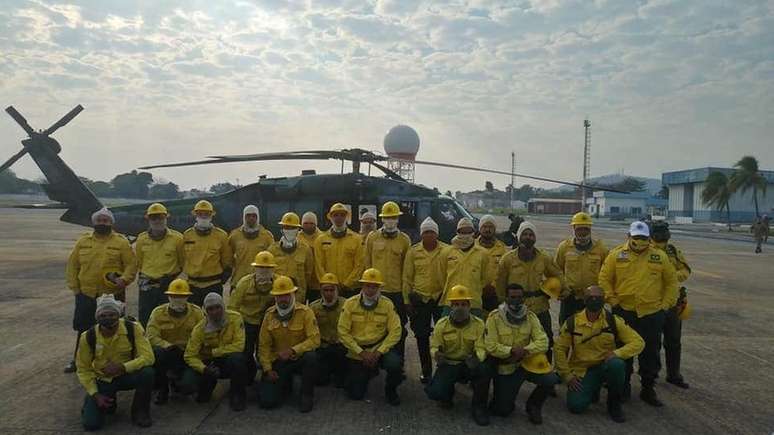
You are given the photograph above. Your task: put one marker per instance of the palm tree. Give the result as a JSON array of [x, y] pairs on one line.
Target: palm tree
[[717, 193], [746, 177]]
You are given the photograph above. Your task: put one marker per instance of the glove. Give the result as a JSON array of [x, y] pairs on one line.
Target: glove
[[212, 370], [225, 275], [472, 362]]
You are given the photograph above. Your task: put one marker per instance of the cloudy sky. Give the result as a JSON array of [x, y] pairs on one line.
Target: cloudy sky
[[667, 84]]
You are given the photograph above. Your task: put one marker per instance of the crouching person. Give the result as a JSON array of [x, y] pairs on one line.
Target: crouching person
[[288, 339], [169, 328], [214, 352], [517, 344], [113, 356], [591, 350], [457, 345], [331, 355]]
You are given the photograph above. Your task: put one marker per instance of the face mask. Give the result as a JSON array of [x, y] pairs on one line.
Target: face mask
[[158, 226], [367, 228], [177, 304], [459, 314], [285, 307], [585, 240], [102, 229], [371, 301], [108, 323], [263, 275], [203, 223], [463, 241], [638, 245], [514, 303], [527, 243], [390, 225], [290, 235], [594, 303], [339, 229]]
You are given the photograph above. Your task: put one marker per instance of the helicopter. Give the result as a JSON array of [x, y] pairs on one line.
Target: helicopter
[[273, 196]]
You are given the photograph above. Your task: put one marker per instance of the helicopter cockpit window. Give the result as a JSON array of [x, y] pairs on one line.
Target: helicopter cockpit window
[[408, 220], [449, 213]]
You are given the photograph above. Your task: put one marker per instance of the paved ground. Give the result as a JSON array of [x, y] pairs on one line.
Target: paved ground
[[728, 354]]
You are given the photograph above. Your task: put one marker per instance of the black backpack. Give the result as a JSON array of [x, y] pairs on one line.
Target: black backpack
[[91, 337], [611, 328]]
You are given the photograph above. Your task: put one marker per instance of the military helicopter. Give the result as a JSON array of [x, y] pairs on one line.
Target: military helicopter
[[273, 196]]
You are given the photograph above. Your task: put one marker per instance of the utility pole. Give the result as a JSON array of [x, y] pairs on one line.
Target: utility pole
[[586, 161], [513, 186]]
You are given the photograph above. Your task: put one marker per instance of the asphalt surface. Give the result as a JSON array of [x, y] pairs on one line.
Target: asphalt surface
[[728, 349]]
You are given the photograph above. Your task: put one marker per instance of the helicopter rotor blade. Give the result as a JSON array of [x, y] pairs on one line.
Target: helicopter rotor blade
[[353, 155], [64, 120], [8, 163], [388, 172], [20, 120], [531, 177]]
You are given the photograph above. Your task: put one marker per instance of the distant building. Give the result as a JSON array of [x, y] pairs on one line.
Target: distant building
[[553, 206], [634, 204], [482, 199], [686, 187]]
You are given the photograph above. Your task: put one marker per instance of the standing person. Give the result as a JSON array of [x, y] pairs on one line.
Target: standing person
[[673, 325], [101, 262], [309, 233], [169, 329], [767, 224], [339, 251], [288, 340], [370, 328], [114, 356], [367, 224], [294, 258], [640, 284], [466, 264], [247, 241], [331, 355], [529, 266], [385, 251], [760, 233], [495, 249], [160, 259], [422, 289], [208, 256], [579, 258]]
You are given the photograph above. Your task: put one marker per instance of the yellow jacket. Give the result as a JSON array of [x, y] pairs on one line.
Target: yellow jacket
[[340, 256], [677, 258], [457, 343], [580, 268], [574, 354], [645, 282], [249, 300], [328, 320], [158, 258], [387, 254], [467, 268], [166, 330], [300, 334], [245, 250], [206, 256], [93, 257], [298, 265], [530, 275], [205, 346], [495, 253], [501, 336], [419, 272], [360, 329], [116, 349]]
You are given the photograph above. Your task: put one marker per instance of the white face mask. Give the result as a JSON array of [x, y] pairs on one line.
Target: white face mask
[[285, 311], [371, 301], [290, 235], [263, 274], [203, 223], [177, 304], [463, 241], [390, 225], [158, 226]]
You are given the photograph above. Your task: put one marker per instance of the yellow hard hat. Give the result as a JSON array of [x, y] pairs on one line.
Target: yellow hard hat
[[390, 209], [329, 278], [685, 314], [282, 285], [338, 207], [372, 276], [178, 287], [264, 259], [459, 293], [536, 363], [204, 205], [581, 218], [290, 219], [156, 208], [552, 286], [109, 284]]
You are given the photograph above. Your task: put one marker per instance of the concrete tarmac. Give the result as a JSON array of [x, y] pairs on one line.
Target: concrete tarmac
[[728, 349]]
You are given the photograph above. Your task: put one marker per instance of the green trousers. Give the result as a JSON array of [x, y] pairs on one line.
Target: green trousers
[[612, 372], [93, 417]]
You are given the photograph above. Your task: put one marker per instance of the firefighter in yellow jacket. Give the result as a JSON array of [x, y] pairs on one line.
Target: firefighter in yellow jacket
[[208, 257], [640, 284], [101, 262], [466, 264], [246, 241], [339, 251], [331, 355], [289, 337], [294, 258], [160, 259], [370, 328], [495, 249], [579, 258]]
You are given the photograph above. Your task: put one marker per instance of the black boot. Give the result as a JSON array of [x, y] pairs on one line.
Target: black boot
[[70, 367], [534, 405], [141, 407], [307, 403], [391, 393], [162, 397], [614, 408], [237, 400], [648, 395], [480, 415], [423, 348]]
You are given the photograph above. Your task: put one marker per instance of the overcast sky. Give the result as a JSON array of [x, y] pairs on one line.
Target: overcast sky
[[667, 84]]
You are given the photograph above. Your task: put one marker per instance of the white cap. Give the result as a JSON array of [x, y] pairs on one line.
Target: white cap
[[102, 212], [526, 225], [487, 218], [212, 299], [464, 223], [639, 228], [309, 217], [367, 215], [251, 209], [108, 302], [428, 225]]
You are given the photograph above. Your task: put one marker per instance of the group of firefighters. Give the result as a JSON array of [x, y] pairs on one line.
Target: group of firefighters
[[332, 307]]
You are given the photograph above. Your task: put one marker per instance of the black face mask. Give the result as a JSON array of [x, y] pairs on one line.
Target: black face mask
[[661, 236], [514, 303], [527, 243], [102, 229], [108, 323], [594, 303]]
